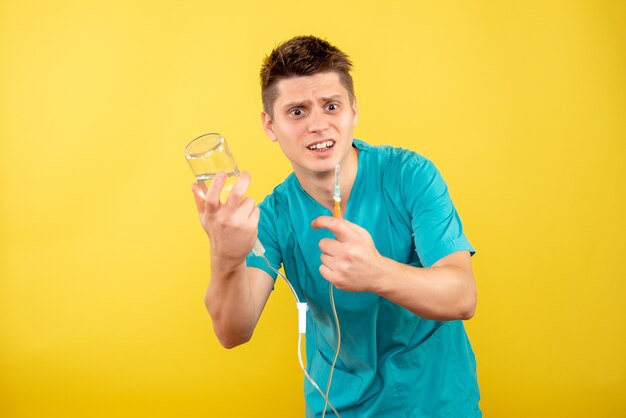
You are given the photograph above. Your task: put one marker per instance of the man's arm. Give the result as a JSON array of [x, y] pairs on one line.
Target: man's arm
[[236, 294], [235, 299], [445, 291]]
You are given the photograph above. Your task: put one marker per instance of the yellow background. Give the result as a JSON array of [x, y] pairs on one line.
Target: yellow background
[[104, 265]]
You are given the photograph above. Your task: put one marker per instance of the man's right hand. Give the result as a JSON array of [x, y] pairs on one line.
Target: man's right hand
[[236, 294], [231, 226]]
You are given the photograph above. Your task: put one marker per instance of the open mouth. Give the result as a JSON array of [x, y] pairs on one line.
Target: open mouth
[[322, 146]]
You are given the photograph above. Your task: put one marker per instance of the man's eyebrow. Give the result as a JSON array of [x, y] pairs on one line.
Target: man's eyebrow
[[332, 97], [298, 103]]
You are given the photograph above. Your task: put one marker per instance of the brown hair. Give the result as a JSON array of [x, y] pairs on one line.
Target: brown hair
[[302, 56]]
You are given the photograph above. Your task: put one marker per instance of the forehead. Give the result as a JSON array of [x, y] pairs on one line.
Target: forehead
[[310, 87]]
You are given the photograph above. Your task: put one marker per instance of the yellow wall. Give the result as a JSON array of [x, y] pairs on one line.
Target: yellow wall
[[103, 264]]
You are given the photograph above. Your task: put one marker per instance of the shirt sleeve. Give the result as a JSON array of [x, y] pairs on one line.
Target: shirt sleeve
[[267, 235], [436, 225]]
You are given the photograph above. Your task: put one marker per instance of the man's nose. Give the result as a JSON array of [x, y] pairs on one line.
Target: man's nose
[[317, 121]]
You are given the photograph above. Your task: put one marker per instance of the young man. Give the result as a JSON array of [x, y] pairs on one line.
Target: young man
[[399, 258]]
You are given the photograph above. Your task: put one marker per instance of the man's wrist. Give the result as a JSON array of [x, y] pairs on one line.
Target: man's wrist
[[226, 266], [383, 280]]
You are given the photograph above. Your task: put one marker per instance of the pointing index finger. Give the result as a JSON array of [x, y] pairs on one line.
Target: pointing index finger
[[338, 227]]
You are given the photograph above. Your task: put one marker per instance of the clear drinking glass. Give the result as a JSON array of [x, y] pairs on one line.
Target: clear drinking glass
[[208, 155]]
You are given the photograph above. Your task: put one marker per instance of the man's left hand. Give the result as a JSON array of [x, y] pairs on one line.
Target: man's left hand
[[351, 261]]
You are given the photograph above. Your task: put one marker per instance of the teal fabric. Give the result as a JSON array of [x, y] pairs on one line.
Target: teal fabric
[[392, 363]]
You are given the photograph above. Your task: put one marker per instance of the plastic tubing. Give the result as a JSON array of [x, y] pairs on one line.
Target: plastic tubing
[[336, 214], [260, 251]]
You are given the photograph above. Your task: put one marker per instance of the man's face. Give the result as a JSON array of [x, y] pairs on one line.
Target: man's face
[[313, 122]]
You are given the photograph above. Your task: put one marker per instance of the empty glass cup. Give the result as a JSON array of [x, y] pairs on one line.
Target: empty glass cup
[[208, 155]]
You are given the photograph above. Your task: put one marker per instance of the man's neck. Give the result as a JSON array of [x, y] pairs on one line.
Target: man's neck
[[321, 186]]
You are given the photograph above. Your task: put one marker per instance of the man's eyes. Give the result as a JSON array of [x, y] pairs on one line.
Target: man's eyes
[[297, 112]]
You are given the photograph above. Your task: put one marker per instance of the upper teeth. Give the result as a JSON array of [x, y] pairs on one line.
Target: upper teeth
[[321, 145]]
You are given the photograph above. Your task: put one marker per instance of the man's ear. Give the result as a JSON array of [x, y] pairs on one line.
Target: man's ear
[[268, 126]]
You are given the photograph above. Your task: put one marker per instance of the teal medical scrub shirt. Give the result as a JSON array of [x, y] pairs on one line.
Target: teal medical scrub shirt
[[392, 363]]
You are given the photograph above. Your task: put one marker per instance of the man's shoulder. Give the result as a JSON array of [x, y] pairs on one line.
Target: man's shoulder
[[390, 154]]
